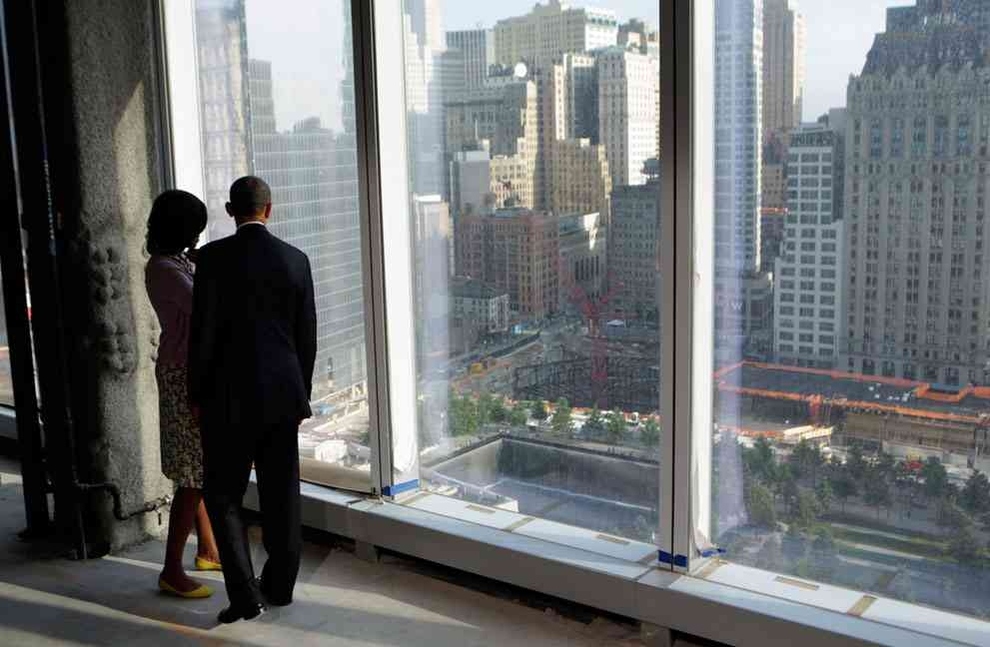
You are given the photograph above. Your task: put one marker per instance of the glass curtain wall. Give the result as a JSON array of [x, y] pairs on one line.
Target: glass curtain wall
[[274, 91], [851, 308], [533, 145]]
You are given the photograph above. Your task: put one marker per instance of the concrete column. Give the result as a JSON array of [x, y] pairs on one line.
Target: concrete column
[[102, 106]]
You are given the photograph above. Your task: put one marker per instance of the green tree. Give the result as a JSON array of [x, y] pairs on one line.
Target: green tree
[[787, 487], [616, 427], [975, 495], [877, 492], [935, 478], [561, 421], [594, 427], [886, 465], [951, 516], [650, 433], [759, 506], [856, 462], [485, 409], [805, 509], [825, 496], [518, 415], [498, 411], [843, 486], [807, 459], [963, 545], [759, 460], [463, 413], [824, 542]]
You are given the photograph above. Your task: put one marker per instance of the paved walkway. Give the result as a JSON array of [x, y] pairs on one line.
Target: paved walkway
[[340, 601]]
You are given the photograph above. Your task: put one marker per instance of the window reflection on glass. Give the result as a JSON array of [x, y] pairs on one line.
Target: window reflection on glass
[[852, 383], [534, 187], [6, 383], [276, 93]]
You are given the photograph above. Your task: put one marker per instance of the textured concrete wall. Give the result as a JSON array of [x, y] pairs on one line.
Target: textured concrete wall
[[108, 171]]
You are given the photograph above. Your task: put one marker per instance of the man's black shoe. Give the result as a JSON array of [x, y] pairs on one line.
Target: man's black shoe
[[247, 612]]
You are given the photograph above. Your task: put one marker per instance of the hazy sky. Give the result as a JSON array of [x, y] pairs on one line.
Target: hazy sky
[[303, 39]]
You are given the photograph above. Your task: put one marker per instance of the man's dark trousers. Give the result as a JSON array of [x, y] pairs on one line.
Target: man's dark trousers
[[228, 455]]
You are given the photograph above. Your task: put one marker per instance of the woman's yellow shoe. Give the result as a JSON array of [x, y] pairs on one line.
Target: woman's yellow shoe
[[207, 565], [201, 591]]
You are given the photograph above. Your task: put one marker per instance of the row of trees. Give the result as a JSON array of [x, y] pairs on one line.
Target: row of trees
[[808, 485], [467, 415]]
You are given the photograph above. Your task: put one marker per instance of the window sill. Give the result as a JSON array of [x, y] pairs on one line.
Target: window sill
[[577, 565]]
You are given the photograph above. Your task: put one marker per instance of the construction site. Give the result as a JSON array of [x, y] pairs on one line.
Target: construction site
[[903, 417]]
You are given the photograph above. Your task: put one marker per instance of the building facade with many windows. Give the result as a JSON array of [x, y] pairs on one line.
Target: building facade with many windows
[[917, 156], [552, 30], [809, 273]]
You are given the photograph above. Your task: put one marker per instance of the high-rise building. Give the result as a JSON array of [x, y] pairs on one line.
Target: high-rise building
[[515, 251], [549, 31], [426, 22], [633, 239], [506, 115], [809, 275], [312, 172], [581, 97], [771, 237], [738, 115], [583, 259], [637, 36], [221, 44], [773, 194], [628, 112], [580, 181], [917, 141], [478, 49], [783, 66]]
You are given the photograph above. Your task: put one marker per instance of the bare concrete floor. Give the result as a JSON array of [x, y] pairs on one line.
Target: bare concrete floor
[[340, 601]]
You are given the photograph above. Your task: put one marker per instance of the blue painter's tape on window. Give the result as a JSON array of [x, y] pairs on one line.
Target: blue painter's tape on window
[[399, 488], [676, 560]]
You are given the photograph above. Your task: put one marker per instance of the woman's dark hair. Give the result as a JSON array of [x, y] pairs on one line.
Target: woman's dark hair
[[177, 218]]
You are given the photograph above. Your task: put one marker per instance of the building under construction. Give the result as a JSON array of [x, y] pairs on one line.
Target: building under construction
[[606, 381], [914, 417]]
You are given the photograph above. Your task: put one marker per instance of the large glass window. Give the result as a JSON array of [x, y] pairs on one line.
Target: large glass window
[[830, 461], [534, 190], [273, 96]]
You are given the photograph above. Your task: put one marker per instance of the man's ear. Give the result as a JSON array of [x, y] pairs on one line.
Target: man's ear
[[268, 211], [226, 206]]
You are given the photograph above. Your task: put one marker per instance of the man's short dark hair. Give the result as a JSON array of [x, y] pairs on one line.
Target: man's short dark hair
[[248, 195]]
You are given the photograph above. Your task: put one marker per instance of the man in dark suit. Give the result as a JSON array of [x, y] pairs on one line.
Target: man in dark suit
[[251, 354]]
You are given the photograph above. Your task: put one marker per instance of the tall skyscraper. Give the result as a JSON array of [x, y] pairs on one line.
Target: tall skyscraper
[[221, 44], [738, 115], [581, 181], [478, 49], [426, 21], [549, 31], [633, 237], [809, 275], [312, 172], [628, 112], [783, 66], [917, 141]]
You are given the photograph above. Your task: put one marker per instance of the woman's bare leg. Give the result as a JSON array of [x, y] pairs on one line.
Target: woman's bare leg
[[180, 523]]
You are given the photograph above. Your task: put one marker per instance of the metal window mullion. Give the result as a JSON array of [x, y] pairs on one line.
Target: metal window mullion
[[372, 258], [667, 253]]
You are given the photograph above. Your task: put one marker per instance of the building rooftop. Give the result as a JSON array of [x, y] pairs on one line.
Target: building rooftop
[[473, 289], [880, 395]]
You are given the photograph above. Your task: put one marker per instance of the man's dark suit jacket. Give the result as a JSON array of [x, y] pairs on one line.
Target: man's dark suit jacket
[[252, 346]]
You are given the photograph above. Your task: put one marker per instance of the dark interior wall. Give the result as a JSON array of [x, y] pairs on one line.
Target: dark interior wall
[[102, 97]]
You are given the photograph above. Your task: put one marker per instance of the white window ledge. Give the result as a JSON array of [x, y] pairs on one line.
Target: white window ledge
[[733, 604]]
